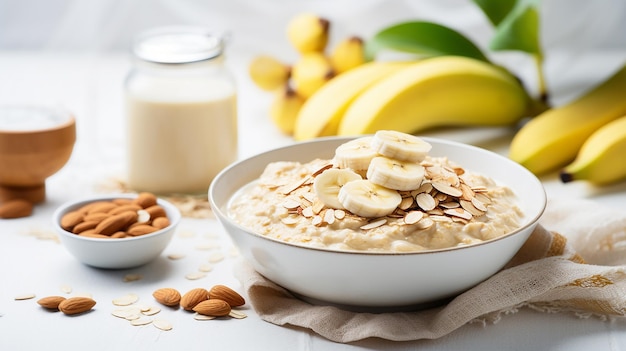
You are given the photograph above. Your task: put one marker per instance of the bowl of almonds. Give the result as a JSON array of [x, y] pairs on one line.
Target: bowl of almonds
[[382, 220], [116, 231]]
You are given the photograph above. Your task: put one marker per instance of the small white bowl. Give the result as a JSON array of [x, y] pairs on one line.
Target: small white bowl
[[116, 253], [373, 280]]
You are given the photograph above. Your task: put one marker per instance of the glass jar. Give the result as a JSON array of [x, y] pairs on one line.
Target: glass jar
[[181, 106]]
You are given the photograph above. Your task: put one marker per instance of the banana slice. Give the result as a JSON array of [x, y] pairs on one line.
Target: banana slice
[[355, 154], [394, 174], [328, 183], [400, 146], [366, 199]]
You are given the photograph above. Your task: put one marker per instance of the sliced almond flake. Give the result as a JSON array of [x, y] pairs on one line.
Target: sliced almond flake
[[436, 212], [425, 187], [143, 216], [84, 294], [216, 257], [290, 220], [322, 169], [195, 275], [329, 216], [479, 204], [317, 220], [65, 289], [162, 324], [374, 224], [447, 189], [439, 218], [308, 212], [449, 204], [131, 277], [441, 197], [458, 170], [202, 317], [237, 314], [123, 313], [151, 311], [126, 300], [479, 188], [131, 316], [406, 202], [458, 212], [291, 204], [289, 188], [425, 201], [317, 206], [340, 214], [469, 207], [206, 267], [26, 296], [141, 321], [468, 193], [176, 256], [413, 217], [459, 220], [425, 223], [482, 197]]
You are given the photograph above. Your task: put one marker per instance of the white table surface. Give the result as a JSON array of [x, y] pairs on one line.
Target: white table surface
[[90, 86]]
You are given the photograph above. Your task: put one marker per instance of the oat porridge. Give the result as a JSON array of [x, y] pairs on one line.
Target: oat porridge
[[380, 193]]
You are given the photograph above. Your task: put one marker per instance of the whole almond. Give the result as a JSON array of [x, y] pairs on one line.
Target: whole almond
[[76, 305], [82, 226], [193, 297], [213, 307], [156, 211], [16, 208], [167, 296], [122, 201], [70, 219], [102, 207], [115, 223], [122, 208], [141, 229], [146, 199], [224, 293], [96, 216], [161, 222], [51, 302], [87, 207]]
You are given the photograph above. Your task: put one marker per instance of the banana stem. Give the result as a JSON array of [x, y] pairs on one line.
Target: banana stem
[[543, 91]]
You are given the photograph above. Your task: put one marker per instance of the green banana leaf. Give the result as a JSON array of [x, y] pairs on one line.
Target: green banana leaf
[[496, 10], [519, 29], [423, 38]]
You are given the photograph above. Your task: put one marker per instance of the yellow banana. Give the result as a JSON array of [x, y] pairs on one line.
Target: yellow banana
[[601, 158], [284, 109], [321, 113], [308, 32], [348, 54], [310, 73], [268, 73], [439, 91], [553, 138]]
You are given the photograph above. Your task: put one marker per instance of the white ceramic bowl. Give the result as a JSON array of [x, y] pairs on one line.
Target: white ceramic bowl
[[116, 253], [379, 279]]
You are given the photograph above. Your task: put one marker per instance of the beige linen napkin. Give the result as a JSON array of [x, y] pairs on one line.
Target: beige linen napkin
[[581, 270]]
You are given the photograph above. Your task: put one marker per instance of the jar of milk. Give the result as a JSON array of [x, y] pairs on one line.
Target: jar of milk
[[181, 110]]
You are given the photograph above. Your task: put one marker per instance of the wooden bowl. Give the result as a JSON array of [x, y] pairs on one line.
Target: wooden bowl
[[35, 143]]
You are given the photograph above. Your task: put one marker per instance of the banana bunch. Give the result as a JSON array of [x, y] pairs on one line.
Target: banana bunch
[[294, 83], [390, 162], [586, 138], [413, 96]]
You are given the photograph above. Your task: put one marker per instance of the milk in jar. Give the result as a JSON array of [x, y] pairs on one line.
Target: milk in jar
[[181, 112]]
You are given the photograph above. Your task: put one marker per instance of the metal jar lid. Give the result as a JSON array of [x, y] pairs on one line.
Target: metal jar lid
[[178, 44]]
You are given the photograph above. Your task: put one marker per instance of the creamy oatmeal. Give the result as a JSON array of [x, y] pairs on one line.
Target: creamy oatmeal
[[447, 207]]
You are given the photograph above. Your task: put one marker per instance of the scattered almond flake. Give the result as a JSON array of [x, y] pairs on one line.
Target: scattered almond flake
[[413, 217], [123, 313], [482, 197], [186, 233], [290, 220], [340, 214], [449, 204], [141, 321], [441, 197], [425, 223], [202, 317], [436, 212], [26, 296], [469, 207], [468, 193], [479, 188], [289, 188], [206, 267], [317, 220], [132, 316], [43, 234], [374, 224], [176, 256], [458, 212], [291, 204], [126, 300], [132, 277], [237, 314], [143, 216], [84, 294], [459, 220], [425, 163], [216, 257], [151, 311], [440, 218], [447, 189], [479, 205], [425, 201], [309, 196], [195, 275], [329, 216], [162, 324], [65, 289], [406, 203], [207, 246], [308, 212], [317, 206]]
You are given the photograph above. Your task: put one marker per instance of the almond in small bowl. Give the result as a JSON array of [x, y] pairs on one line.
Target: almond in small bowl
[[115, 231]]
